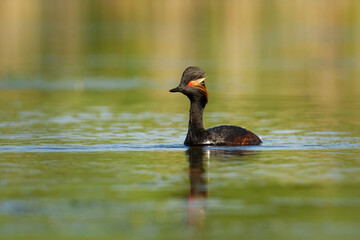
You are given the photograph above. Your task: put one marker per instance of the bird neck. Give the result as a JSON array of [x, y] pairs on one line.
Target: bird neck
[[196, 116]]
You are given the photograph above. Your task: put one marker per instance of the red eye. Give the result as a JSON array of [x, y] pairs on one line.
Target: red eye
[[190, 84]]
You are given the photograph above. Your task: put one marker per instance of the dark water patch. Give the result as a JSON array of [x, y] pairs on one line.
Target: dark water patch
[[91, 148], [168, 147]]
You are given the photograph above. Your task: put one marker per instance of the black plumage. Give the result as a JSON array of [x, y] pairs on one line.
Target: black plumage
[[193, 86]]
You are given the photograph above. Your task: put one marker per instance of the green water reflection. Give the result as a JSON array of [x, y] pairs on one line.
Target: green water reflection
[[161, 194], [112, 164]]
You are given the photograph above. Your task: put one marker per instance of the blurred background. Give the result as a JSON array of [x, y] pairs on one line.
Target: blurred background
[[276, 46]]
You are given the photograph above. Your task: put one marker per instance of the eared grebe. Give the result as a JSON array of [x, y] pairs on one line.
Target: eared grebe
[[193, 86]]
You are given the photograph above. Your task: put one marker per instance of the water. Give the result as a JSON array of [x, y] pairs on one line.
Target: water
[[91, 141], [103, 164]]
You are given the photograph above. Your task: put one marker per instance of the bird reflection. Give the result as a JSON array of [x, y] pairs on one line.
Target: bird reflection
[[199, 158]]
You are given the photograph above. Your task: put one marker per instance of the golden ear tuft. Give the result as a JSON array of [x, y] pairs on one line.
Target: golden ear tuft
[[199, 84], [197, 81]]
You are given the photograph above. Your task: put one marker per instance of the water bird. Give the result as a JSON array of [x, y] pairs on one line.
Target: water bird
[[192, 84]]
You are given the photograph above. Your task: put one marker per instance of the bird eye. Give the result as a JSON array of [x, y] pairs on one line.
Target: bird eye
[[190, 84]]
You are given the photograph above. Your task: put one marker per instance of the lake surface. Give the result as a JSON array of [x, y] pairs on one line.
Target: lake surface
[[91, 141], [108, 163]]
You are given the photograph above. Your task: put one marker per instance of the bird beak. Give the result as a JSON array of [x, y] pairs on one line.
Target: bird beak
[[177, 89]]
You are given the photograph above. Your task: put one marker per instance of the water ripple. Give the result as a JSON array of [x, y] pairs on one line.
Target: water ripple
[[165, 147]]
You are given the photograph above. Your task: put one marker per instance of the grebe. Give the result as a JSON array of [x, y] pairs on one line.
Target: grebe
[[193, 86]]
